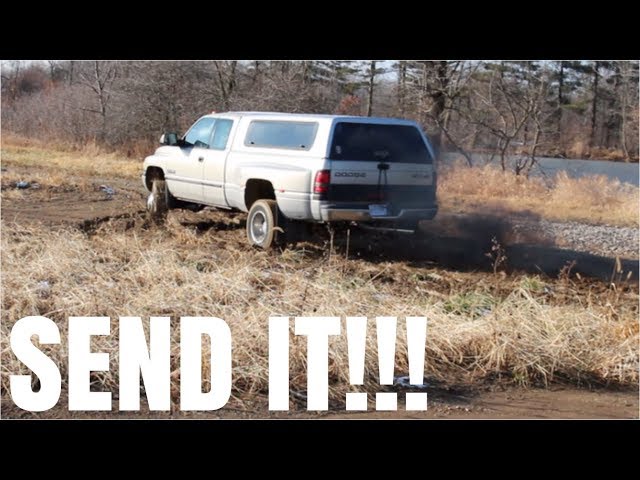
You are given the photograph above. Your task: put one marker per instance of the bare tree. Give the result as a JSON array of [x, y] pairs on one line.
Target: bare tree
[[372, 71], [628, 106], [99, 78], [513, 102], [226, 76], [52, 70], [560, 101], [401, 88], [594, 103], [372, 82], [72, 64], [10, 74], [435, 88]]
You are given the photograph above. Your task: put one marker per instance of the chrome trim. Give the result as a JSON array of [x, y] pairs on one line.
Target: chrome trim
[[193, 181]]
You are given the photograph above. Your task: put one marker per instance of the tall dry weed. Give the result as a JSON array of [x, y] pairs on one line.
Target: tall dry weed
[[520, 336], [593, 199]]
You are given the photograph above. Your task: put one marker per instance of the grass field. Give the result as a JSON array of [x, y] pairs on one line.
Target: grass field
[[54, 165], [483, 327]]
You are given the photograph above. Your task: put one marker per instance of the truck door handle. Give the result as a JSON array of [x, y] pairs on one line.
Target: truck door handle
[[201, 159]]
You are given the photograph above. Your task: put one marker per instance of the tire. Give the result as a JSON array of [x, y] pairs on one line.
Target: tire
[[294, 231], [158, 201], [262, 224]]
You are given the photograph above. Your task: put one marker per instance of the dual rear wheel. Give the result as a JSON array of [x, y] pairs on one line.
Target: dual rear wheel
[[263, 222], [267, 227]]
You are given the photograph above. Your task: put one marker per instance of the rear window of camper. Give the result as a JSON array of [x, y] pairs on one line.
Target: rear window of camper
[[368, 142]]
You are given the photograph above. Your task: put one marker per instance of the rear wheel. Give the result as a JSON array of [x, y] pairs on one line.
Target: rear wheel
[[294, 231], [262, 224]]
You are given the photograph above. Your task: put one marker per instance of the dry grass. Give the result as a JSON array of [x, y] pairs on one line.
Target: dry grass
[[610, 154], [132, 150], [61, 163], [481, 326], [591, 199]]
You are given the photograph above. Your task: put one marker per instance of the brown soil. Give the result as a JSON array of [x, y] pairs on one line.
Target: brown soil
[[511, 403], [528, 404], [73, 205]]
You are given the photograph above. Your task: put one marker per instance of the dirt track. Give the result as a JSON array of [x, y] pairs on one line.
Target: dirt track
[[453, 241], [57, 206], [443, 404], [459, 241]]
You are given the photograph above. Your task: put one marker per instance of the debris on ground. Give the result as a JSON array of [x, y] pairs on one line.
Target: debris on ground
[[24, 185], [110, 191], [405, 382], [43, 288]]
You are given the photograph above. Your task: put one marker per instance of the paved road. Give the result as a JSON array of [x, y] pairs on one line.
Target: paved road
[[625, 172]]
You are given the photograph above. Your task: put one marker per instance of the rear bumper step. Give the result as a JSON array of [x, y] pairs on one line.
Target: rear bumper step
[[364, 226]]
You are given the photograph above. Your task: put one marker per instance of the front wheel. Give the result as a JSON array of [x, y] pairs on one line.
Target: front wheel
[[262, 224], [157, 201]]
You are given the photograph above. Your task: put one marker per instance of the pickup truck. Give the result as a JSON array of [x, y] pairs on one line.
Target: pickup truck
[[288, 170]]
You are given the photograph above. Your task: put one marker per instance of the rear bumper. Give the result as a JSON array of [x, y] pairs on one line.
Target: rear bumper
[[330, 212]]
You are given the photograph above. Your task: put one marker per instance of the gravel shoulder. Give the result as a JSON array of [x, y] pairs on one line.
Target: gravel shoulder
[[604, 240]]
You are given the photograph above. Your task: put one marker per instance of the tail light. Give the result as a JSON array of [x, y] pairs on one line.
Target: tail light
[[321, 182]]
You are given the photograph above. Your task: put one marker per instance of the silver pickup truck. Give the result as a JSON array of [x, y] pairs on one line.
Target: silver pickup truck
[[288, 169]]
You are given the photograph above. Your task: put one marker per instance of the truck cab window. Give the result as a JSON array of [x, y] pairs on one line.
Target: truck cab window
[[221, 134], [200, 134]]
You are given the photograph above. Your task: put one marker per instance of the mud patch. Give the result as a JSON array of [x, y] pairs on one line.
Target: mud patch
[[116, 223], [71, 204], [210, 220]]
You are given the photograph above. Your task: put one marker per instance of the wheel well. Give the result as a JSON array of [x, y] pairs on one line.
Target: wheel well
[[257, 189], [153, 173]]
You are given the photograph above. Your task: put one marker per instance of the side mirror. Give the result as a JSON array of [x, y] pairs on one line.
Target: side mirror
[[170, 139]]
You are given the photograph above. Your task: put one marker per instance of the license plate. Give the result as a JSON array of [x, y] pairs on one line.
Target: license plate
[[378, 210]]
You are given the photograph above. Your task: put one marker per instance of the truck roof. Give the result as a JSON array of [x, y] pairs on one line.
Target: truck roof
[[311, 117]]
